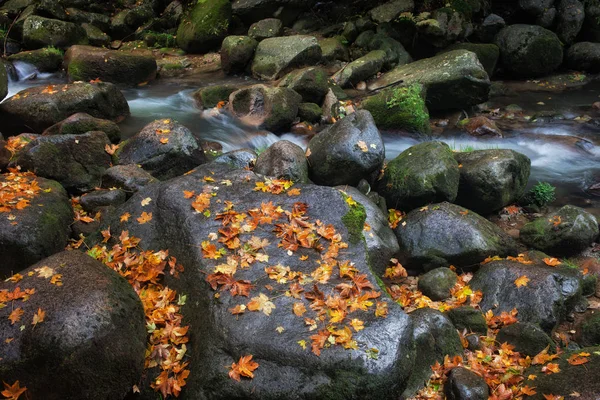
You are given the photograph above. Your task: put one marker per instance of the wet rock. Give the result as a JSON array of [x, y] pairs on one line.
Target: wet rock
[[283, 159], [453, 80], [311, 83], [236, 53], [204, 26], [584, 56], [333, 49], [131, 178], [591, 25], [491, 179], [238, 159], [582, 379], [92, 202], [444, 234], [566, 232], [81, 123], [437, 283], [535, 7], [309, 112], [40, 107], [270, 108], [435, 337], [528, 339], [76, 161], [570, 15], [127, 21], [547, 19], [491, 25], [95, 309], [98, 20], [487, 54], [265, 29], [85, 63], [164, 148], [549, 296], [44, 60], [297, 371], [95, 36], [464, 384], [529, 50], [42, 32], [346, 152], [41, 229], [276, 56], [391, 10], [422, 174], [287, 11], [360, 69], [401, 108], [588, 330], [443, 28], [482, 126], [210, 96], [468, 318], [395, 53]]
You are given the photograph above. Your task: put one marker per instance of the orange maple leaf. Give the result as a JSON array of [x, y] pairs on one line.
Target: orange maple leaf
[[553, 262], [528, 390], [12, 392], [15, 315], [551, 368], [244, 367], [145, 217], [522, 281], [125, 217], [579, 358], [38, 317]]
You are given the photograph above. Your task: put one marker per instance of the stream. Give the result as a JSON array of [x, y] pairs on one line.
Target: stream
[[563, 152]]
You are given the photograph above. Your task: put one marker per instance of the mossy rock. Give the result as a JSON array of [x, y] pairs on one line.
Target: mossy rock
[[334, 49], [437, 283], [469, 318], [361, 69], [41, 32], [95, 36], [310, 112], [487, 53], [236, 53], [266, 28], [205, 26], [588, 333], [529, 339], [276, 56], [311, 83], [210, 96], [401, 108], [48, 59]]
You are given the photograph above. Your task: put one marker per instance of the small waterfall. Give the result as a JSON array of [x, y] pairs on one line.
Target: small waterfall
[[22, 75]]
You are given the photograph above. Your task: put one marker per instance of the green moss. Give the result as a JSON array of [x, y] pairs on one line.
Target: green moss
[[205, 26], [400, 108], [354, 220], [76, 70]]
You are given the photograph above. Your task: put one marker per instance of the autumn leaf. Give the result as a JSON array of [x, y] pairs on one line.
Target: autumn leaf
[[579, 358], [188, 194], [45, 272], [15, 278], [244, 367], [15, 315], [38, 317], [106, 235], [357, 324], [522, 281], [261, 303], [56, 279], [125, 217], [111, 148], [526, 390], [293, 192], [12, 392], [363, 146], [551, 368], [146, 201], [144, 218], [299, 309], [553, 262], [164, 140]]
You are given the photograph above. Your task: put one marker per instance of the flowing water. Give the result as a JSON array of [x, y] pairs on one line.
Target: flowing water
[[563, 152]]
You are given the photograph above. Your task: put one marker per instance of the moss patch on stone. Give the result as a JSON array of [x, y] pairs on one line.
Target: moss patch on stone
[[354, 220]]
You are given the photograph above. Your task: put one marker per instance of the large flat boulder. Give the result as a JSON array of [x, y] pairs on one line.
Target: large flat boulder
[[453, 80], [276, 56]]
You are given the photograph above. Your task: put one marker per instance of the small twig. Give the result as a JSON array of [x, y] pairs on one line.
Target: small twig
[[8, 32]]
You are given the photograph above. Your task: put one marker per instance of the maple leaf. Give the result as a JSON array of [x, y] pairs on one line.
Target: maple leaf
[[551, 368], [363, 146], [299, 309], [553, 397], [12, 392], [579, 358], [56, 279], [522, 281], [293, 192], [261, 303], [357, 324], [381, 309], [38, 317], [106, 235], [15, 315], [187, 194], [144, 218], [553, 262], [239, 309], [45, 272], [526, 390], [244, 367], [125, 217], [15, 278]]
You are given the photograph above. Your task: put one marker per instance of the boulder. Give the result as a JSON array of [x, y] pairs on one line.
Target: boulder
[[287, 369], [265, 29], [164, 148], [124, 23], [40, 107], [44, 60], [491, 179], [250, 11], [98, 20], [276, 56], [131, 178], [85, 63], [285, 160], [528, 51], [584, 56], [588, 330], [489, 28], [591, 23], [92, 338], [395, 53], [238, 159], [236, 53], [309, 112], [422, 174], [360, 69], [549, 296], [204, 26], [487, 54], [400, 108], [445, 234], [468, 318], [391, 10], [311, 83], [76, 161], [437, 283], [81, 123], [346, 152], [481, 126], [535, 7], [270, 108], [565, 232], [435, 337], [570, 16], [35, 231], [332, 49], [444, 27], [527, 338], [93, 202], [453, 80], [42, 32], [584, 380], [211, 96], [464, 384], [95, 36]]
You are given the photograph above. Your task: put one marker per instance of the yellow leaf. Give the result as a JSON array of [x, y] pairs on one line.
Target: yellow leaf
[[45, 272], [261, 303], [522, 281], [363, 146], [146, 201], [38, 317], [164, 140]]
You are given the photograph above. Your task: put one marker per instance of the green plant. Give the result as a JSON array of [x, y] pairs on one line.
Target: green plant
[[54, 50], [541, 194]]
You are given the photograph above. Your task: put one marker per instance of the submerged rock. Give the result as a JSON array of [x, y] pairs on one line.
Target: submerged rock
[[92, 338]]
